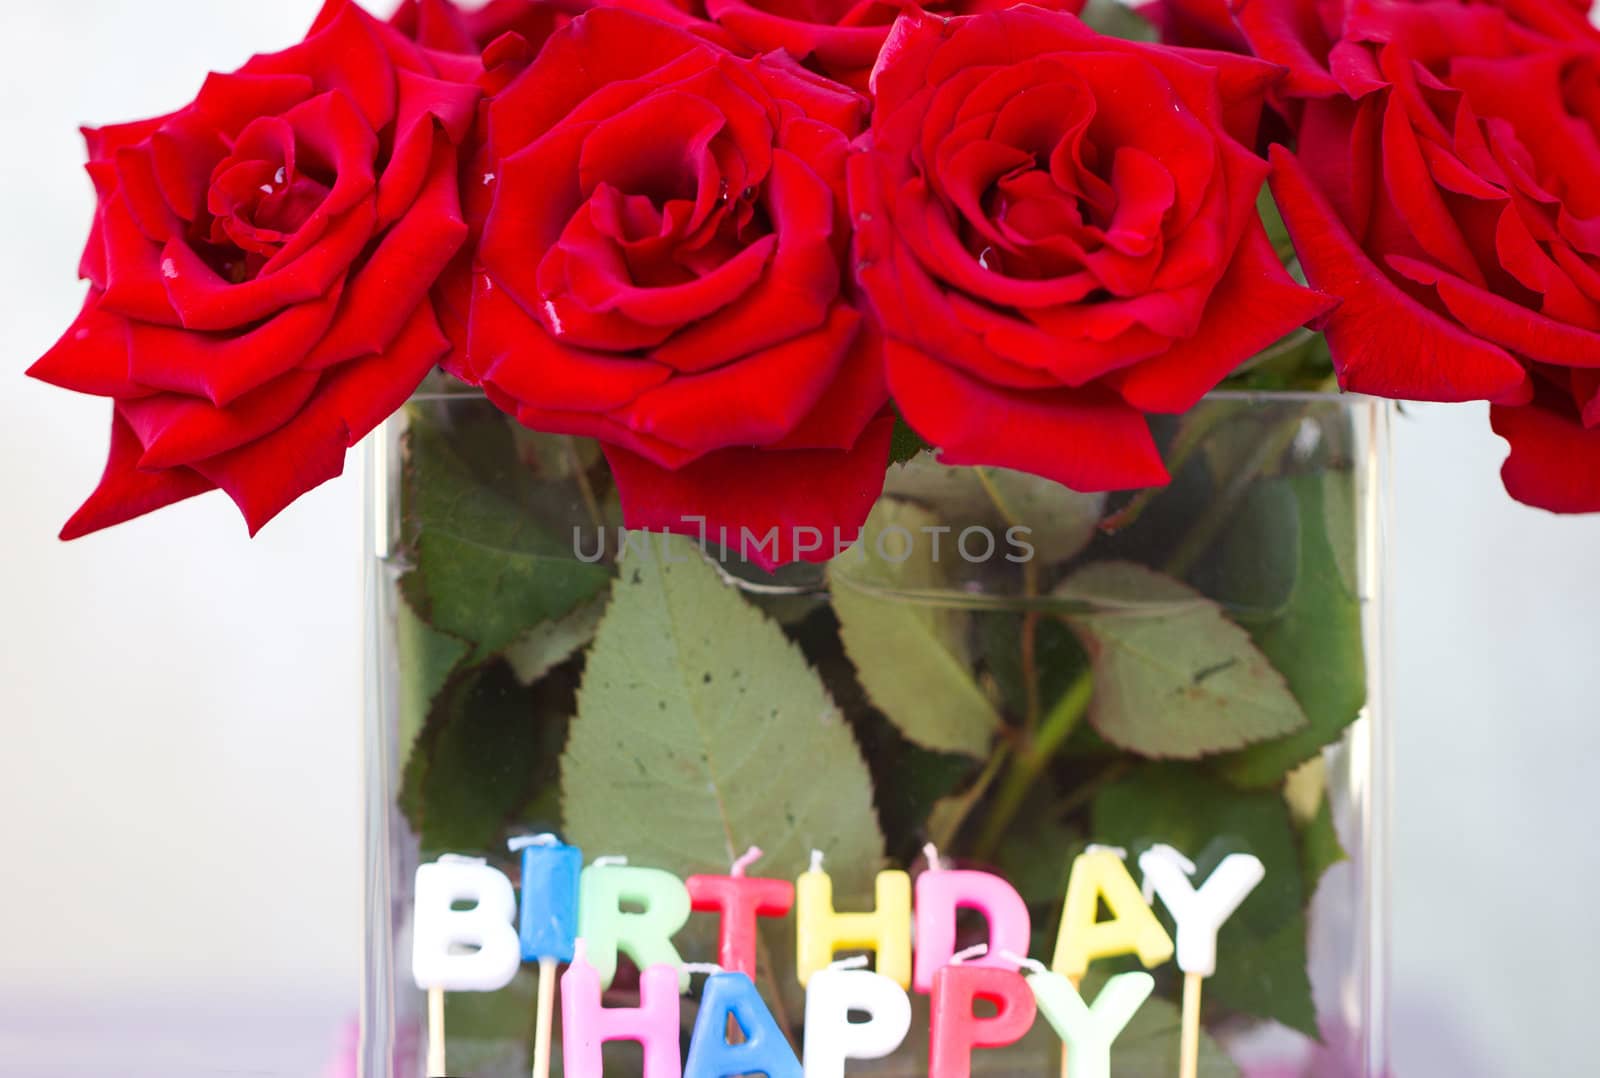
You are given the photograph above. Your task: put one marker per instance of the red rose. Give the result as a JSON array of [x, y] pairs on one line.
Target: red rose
[[1444, 188], [260, 265], [841, 38], [452, 27], [663, 271], [1058, 232]]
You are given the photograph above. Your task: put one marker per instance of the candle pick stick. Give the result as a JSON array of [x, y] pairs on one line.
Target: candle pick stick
[[549, 894], [436, 1054], [1189, 1046]]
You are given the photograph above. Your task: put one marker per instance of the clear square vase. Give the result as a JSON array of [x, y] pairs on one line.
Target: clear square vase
[[995, 674]]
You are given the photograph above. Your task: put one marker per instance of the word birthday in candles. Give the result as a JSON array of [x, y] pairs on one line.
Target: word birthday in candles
[[471, 934]]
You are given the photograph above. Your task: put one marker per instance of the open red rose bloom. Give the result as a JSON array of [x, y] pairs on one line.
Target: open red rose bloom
[[737, 242]]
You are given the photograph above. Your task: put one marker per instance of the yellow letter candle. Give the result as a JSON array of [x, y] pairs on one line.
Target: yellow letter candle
[[820, 932], [1098, 874], [644, 935]]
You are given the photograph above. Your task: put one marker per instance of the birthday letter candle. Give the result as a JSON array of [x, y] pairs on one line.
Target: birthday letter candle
[[466, 950], [832, 1038], [644, 936], [740, 899], [820, 932], [1088, 1032], [941, 894], [1098, 874], [550, 875], [957, 1030], [586, 1025], [1199, 914], [764, 1049]]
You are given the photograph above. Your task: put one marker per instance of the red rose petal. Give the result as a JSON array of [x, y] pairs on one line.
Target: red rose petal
[[1256, 303], [773, 505], [176, 429], [126, 492], [1555, 460], [1383, 341], [1088, 439]]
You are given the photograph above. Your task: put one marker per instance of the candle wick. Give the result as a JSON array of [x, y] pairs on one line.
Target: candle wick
[[1096, 847], [816, 860], [976, 951], [858, 961], [580, 952], [460, 859], [709, 968], [748, 858], [610, 861], [1032, 965], [523, 842], [931, 852]]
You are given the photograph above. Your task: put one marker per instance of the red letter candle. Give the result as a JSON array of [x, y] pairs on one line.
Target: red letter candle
[[740, 900], [957, 1030]]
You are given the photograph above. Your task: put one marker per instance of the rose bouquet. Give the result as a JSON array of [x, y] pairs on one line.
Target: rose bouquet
[[868, 425]]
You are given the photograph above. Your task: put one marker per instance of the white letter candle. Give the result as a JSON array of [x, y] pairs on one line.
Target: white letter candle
[[831, 1038], [470, 950], [586, 1024], [1199, 915], [941, 895]]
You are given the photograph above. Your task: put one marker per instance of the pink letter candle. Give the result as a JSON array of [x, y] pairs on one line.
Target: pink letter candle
[[957, 1030], [740, 900], [941, 894], [586, 1025]]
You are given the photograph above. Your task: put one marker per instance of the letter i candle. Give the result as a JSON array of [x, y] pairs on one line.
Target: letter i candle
[[548, 928]]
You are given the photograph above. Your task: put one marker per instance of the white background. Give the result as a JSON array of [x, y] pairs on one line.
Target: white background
[[179, 706]]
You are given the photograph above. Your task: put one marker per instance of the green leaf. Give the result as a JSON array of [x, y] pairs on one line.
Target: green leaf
[[904, 443], [550, 643], [427, 658], [701, 731], [914, 658], [479, 763], [1057, 657], [1320, 848], [485, 571], [1060, 522], [1261, 950], [1149, 1046], [1116, 20], [1316, 642], [1173, 676]]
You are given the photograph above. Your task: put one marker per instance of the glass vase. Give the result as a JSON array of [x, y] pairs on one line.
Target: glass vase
[[996, 672]]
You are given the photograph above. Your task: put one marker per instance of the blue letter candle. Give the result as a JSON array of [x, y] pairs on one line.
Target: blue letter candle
[[764, 1051], [549, 920]]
